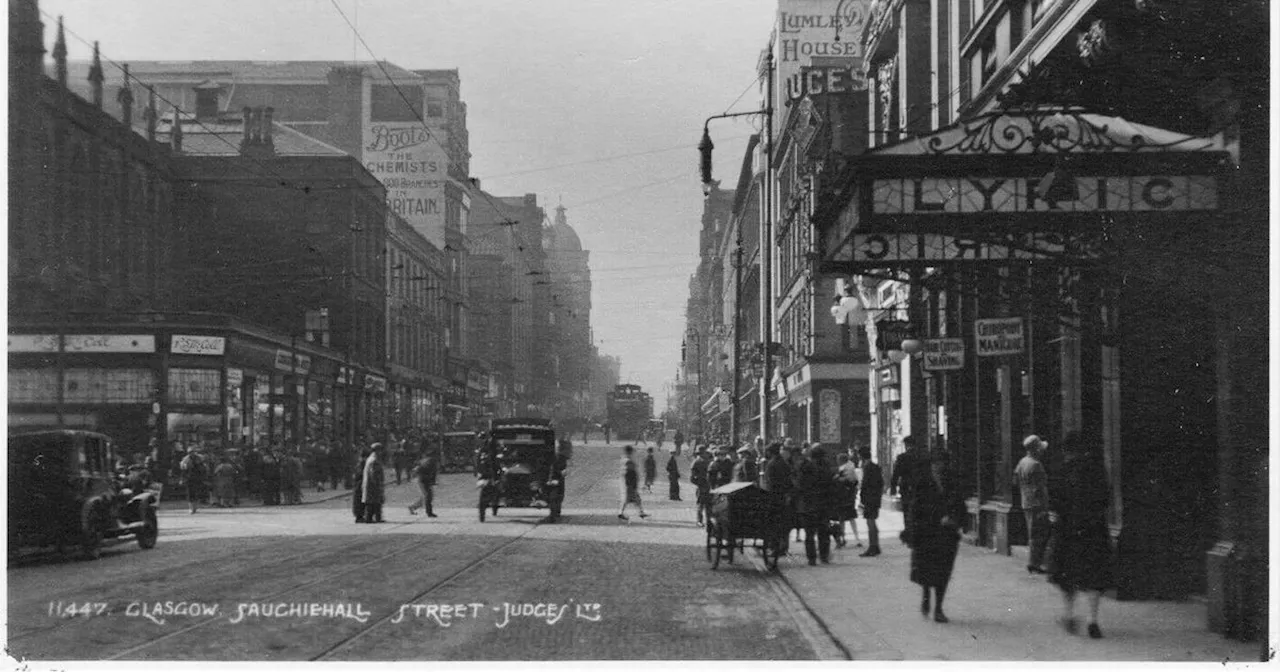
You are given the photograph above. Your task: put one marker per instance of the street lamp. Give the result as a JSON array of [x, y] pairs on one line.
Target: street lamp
[[705, 146]]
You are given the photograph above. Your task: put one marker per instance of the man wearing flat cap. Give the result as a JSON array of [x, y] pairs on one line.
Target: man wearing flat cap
[[746, 471], [721, 470]]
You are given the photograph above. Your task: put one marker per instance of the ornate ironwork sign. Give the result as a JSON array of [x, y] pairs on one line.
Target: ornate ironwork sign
[[1050, 131]]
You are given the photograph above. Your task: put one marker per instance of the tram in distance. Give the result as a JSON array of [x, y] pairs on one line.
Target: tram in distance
[[629, 409]]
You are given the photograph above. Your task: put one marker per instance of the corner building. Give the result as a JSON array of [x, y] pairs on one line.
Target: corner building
[[1060, 195]]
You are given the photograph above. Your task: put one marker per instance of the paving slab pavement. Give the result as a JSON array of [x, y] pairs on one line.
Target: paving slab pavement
[[998, 612]]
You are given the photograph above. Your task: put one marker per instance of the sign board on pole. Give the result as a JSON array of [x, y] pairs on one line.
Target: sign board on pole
[[999, 336], [943, 354]]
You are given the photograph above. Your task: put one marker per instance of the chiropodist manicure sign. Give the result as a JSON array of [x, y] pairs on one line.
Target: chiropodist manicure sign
[[410, 161]]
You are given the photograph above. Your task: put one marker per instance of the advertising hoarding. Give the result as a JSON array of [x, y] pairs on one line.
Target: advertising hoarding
[[411, 162]]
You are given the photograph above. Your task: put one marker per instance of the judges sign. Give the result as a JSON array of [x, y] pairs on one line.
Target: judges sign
[[1001, 336], [943, 354]]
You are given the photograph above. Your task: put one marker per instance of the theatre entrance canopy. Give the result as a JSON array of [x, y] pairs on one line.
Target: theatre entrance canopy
[[1049, 184]]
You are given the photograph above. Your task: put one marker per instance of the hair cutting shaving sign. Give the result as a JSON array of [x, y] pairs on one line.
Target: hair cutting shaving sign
[[411, 163], [1002, 336], [943, 354]]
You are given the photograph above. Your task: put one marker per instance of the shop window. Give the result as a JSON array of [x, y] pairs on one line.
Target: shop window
[[33, 386], [194, 386], [261, 410], [108, 386]]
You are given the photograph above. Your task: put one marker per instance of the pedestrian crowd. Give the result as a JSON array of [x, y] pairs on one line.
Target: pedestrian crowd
[[822, 495]]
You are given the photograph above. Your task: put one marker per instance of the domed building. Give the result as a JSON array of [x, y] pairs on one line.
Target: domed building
[[569, 308]]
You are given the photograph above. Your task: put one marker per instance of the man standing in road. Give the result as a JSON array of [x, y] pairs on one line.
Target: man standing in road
[[424, 474], [906, 470], [678, 439], [673, 475], [1033, 483], [699, 478], [870, 495], [374, 485]]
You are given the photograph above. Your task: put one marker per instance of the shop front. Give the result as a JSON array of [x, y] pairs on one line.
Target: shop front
[[161, 387], [1036, 249]]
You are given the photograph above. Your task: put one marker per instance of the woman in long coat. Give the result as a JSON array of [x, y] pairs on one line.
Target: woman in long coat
[[938, 511], [1078, 513], [224, 483], [374, 485]]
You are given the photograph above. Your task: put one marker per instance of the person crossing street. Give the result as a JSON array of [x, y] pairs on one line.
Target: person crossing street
[[424, 475]]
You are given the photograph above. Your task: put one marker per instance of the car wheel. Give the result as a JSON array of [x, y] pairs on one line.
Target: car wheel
[[150, 531], [91, 539]]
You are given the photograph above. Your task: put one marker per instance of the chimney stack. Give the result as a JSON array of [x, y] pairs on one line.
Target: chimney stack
[[255, 134], [95, 77], [60, 55], [175, 135], [267, 126], [151, 115], [125, 97], [246, 129]]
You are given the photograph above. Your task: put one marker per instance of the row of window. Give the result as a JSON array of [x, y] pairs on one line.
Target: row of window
[[113, 386]]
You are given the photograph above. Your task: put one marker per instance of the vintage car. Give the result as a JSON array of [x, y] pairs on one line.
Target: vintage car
[[457, 450], [518, 466], [64, 494]]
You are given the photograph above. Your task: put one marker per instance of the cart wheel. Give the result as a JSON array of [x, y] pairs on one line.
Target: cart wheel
[[715, 557], [732, 544], [771, 551]]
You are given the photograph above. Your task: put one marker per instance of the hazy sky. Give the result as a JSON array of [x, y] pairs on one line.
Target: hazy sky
[[618, 88]]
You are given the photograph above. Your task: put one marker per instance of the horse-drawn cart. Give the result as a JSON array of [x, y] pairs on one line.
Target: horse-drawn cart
[[742, 511]]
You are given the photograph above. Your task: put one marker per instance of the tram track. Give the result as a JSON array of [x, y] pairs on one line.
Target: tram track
[[215, 576], [579, 490]]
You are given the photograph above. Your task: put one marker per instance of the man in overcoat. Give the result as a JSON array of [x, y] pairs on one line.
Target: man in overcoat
[[374, 486], [813, 505]]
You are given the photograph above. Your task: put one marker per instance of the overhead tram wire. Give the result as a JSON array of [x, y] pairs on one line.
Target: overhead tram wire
[[602, 159], [417, 115]]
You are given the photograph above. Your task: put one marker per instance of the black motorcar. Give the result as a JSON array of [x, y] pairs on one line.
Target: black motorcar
[[64, 494], [517, 467]]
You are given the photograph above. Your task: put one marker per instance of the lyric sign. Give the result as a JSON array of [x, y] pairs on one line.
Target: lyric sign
[[411, 163], [975, 195], [943, 354], [931, 247], [999, 336]]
